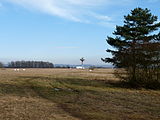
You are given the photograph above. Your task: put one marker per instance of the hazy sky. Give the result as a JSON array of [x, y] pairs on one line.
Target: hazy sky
[[62, 31]]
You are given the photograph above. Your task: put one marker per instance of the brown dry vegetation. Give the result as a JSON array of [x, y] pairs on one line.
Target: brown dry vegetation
[[68, 94]]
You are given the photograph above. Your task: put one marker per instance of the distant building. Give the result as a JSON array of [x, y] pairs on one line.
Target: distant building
[[80, 67]]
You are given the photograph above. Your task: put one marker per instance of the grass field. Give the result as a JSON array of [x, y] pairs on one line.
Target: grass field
[[68, 94]]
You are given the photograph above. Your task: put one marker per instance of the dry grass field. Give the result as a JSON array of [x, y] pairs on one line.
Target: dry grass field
[[69, 94]]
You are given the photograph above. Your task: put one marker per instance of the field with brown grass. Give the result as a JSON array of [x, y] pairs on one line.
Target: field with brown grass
[[69, 94]]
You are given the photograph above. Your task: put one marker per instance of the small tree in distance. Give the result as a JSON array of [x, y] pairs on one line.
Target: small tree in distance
[[82, 60], [137, 48]]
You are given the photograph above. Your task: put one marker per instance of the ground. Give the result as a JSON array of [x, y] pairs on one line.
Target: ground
[[70, 94]]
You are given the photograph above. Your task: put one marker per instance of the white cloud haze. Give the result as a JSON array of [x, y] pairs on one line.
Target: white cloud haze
[[68, 9], [75, 10]]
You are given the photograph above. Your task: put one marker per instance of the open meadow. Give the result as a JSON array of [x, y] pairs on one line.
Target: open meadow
[[70, 94]]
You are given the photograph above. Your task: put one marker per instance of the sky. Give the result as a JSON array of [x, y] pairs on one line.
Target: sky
[[62, 31]]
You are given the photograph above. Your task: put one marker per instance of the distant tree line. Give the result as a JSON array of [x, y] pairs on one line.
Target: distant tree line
[[63, 66], [30, 64]]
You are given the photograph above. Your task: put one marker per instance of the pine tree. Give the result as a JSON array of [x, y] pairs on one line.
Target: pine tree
[[1, 65], [137, 47]]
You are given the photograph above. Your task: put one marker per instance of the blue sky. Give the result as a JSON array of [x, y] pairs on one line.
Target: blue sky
[[62, 31]]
